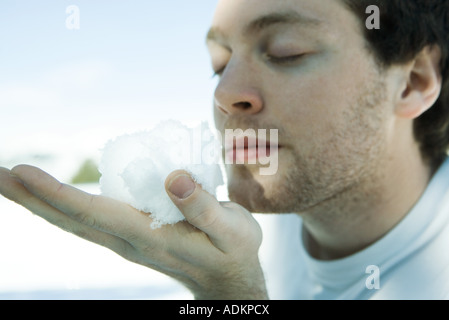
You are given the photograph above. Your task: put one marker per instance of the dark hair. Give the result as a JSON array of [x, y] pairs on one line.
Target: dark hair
[[407, 27]]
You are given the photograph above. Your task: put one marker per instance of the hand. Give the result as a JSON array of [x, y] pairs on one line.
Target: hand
[[214, 253]]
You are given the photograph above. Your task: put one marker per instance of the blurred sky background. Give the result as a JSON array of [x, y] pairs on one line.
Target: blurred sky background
[[129, 65], [63, 94]]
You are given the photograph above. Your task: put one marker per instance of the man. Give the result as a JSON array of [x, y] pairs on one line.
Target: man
[[362, 147]]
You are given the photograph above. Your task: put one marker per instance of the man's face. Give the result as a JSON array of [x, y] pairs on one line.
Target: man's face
[[302, 67]]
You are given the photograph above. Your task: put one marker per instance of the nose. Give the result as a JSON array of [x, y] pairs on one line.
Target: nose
[[237, 94]]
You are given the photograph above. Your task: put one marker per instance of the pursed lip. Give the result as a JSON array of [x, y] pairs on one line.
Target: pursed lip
[[249, 149]]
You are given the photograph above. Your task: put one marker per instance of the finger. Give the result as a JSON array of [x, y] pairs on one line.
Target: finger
[[98, 212], [13, 189], [226, 226]]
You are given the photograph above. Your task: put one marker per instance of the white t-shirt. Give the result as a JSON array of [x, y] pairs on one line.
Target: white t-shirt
[[410, 262]]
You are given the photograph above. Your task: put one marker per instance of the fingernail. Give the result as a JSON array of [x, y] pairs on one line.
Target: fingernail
[[182, 186]]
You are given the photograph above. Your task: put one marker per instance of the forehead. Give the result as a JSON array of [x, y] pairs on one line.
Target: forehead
[[232, 17]]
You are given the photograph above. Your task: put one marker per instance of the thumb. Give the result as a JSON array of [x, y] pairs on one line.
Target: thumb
[[226, 226]]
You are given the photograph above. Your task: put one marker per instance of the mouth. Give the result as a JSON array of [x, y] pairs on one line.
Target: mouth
[[249, 150]]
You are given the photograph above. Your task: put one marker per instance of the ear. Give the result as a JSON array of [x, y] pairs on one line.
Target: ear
[[423, 84]]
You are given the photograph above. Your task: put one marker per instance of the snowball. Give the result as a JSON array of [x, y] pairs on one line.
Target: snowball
[[134, 167]]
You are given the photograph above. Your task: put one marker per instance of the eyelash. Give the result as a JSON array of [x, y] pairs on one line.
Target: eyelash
[[284, 60], [272, 59]]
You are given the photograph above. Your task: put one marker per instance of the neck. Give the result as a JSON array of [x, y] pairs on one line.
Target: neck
[[362, 214]]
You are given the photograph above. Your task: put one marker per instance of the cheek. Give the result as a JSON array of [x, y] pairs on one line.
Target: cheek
[[310, 109], [314, 104]]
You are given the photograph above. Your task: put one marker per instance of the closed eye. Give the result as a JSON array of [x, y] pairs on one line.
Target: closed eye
[[286, 59], [270, 58]]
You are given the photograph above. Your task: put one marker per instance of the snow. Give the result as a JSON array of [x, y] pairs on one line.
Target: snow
[[134, 167]]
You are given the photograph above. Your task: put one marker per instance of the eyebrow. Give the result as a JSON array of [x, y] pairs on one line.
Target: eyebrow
[[267, 21]]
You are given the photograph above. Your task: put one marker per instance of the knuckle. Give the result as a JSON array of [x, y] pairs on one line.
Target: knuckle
[[85, 219], [127, 251], [203, 218], [78, 231], [246, 231], [51, 196], [85, 214]]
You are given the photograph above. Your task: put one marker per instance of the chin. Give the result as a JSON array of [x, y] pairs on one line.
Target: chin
[[261, 194]]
